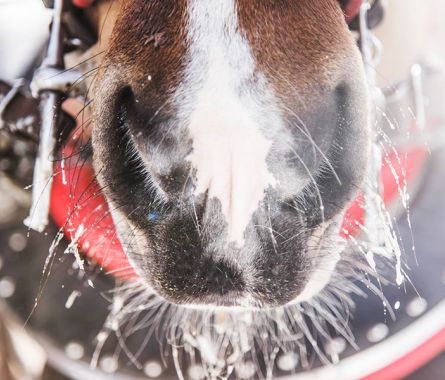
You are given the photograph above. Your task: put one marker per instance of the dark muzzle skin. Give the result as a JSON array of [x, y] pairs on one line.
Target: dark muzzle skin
[[228, 148]]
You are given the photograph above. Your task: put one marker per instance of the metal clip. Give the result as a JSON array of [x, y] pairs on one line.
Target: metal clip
[[50, 102], [55, 80]]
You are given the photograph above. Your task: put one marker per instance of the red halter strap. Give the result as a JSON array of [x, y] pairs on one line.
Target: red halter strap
[[82, 3], [352, 9]]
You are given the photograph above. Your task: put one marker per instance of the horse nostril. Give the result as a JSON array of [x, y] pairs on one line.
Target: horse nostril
[[141, 114], [131, 113], [123, 106]]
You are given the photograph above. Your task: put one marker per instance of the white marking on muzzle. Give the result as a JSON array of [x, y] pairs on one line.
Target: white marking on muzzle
[[229, 150]]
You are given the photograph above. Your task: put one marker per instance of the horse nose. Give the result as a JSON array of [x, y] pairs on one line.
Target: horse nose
[[197, 278], [220, 280]]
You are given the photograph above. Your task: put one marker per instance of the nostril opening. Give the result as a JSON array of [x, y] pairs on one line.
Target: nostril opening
[[126, 95], [341, 95], [125, 98], [124, 105], [141, 116]]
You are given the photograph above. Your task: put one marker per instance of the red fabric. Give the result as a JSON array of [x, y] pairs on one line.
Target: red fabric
[[77, 203], [417, 358], [352, 9], [83, 3], [404, 165]]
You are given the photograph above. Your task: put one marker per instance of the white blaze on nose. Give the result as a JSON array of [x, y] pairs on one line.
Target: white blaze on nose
[[229, 155], [229, 149]]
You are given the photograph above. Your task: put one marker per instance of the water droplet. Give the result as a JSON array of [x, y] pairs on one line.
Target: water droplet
[[17, 242], [7, 287], [196, 372], [153, 369], [62, 165], [416, 307], [336, 346], [153, 216], [109, 364], [288, 361], [377, 333], [74, 350], [246, 370], [71, 299]]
